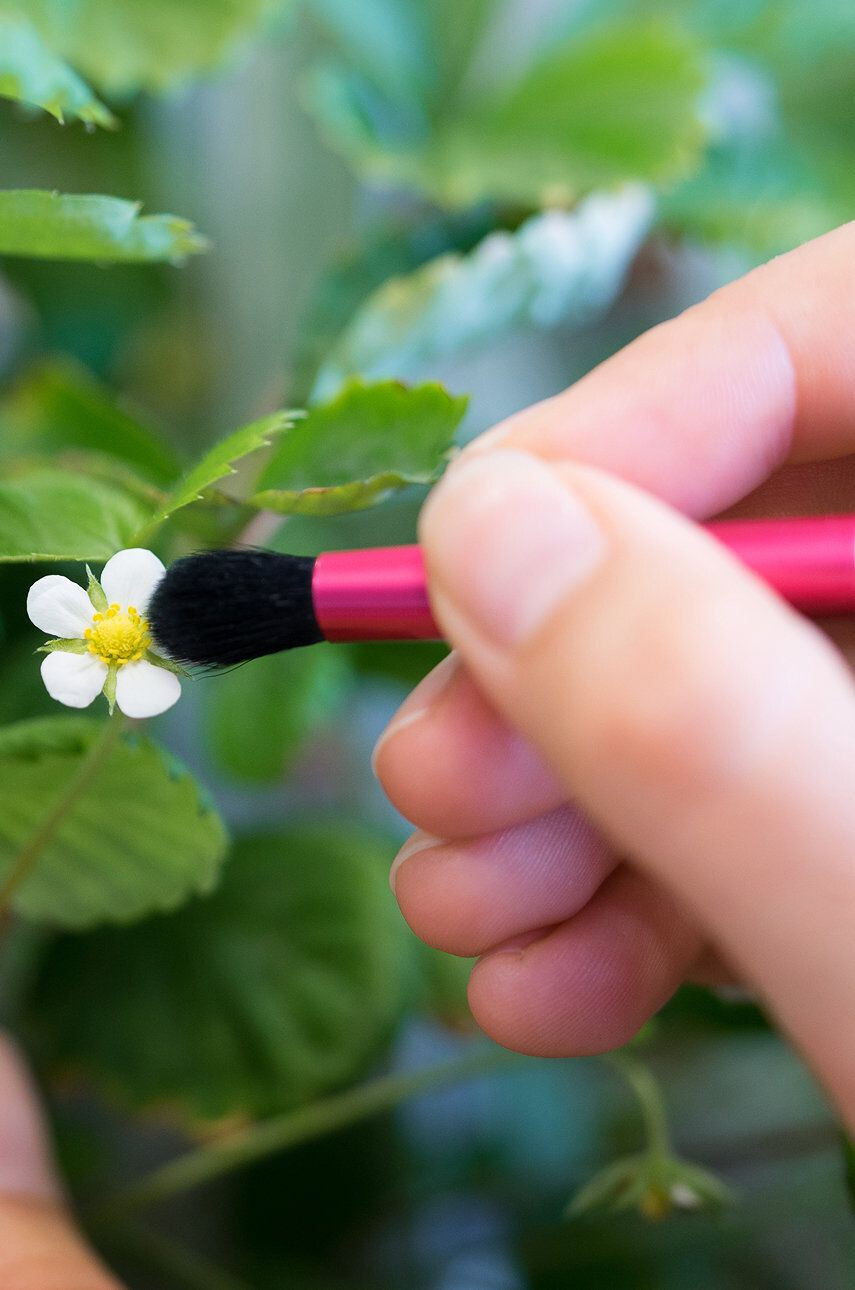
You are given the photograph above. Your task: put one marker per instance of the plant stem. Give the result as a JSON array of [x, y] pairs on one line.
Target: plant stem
[[648, 1091], [253, 1143], [79, 782]]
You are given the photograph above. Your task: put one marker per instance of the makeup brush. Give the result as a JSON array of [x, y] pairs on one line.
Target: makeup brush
[[219, 608]]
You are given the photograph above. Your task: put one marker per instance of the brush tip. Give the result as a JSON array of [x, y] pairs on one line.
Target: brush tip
[[219, 608]]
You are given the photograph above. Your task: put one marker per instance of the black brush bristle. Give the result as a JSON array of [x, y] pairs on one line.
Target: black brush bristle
[[219, 608]]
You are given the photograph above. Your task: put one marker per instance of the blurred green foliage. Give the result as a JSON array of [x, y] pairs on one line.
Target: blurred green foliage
[[475, 197]]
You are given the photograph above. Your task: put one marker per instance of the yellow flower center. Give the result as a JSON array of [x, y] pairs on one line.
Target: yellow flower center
[[118, 636]]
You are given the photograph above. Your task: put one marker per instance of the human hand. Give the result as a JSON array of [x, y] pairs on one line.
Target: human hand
[[39, 1248], [639, 763]]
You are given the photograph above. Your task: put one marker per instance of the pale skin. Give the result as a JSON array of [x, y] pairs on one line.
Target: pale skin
[[638, 765], [640, 768]]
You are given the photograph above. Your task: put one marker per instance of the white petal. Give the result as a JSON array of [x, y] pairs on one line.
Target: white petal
[[59, 606], [73, 679], [130, 577], [143, 690]]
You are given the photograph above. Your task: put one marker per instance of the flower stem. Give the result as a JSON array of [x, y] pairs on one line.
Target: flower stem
[[92, 762], [648, 1092], [253, 1143]]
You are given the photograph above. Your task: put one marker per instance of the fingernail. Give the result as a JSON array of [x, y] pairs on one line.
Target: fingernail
[[506, 542], [418, 704], [418, 842]]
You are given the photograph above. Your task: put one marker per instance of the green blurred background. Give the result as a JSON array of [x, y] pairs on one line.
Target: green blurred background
[[336, 145]]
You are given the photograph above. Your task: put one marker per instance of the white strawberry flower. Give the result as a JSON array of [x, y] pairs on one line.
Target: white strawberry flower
[[102, 641]]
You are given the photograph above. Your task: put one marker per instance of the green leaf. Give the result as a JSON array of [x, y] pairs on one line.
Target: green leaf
[[140, 837], [51, 514], [259, 714], [817, 123], [31, 73], [275, 989], [761, 186], [391, 250], [384, 40], [759, 196], [218, 463], [327, 463], [618, 103], [558, 267], [58, 405], [59, 226], [22, 691], [458, 29], [123, 45]]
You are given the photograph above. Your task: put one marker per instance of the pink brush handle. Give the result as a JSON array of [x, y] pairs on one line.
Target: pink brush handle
[[381, 593]]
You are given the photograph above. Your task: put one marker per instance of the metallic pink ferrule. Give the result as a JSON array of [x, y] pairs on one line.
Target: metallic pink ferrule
[[809, 561], [376, 594], [381, 593]]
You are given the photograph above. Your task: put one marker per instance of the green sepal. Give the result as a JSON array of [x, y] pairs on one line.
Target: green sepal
[[157, 660], [70, 645], [109, 690], [654, 1184], [96, 593]]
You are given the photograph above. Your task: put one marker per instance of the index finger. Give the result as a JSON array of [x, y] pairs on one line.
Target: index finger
[[703, 408]]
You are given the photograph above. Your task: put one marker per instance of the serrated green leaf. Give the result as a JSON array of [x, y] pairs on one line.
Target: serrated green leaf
[[50, 514], [22, 692], [758, 189], [259, 714], [141, 836], [219, 462], [64, 645], [615, 104], [558, 267], [762, 198], [57, 405], [62, 226], [392, 250], [122, 45], [384, 40], [627, 98], [327, 463], [31, 73], [275, 989]]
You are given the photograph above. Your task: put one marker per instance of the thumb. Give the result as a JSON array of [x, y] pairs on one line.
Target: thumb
[[39, 1247], [707, 729]]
